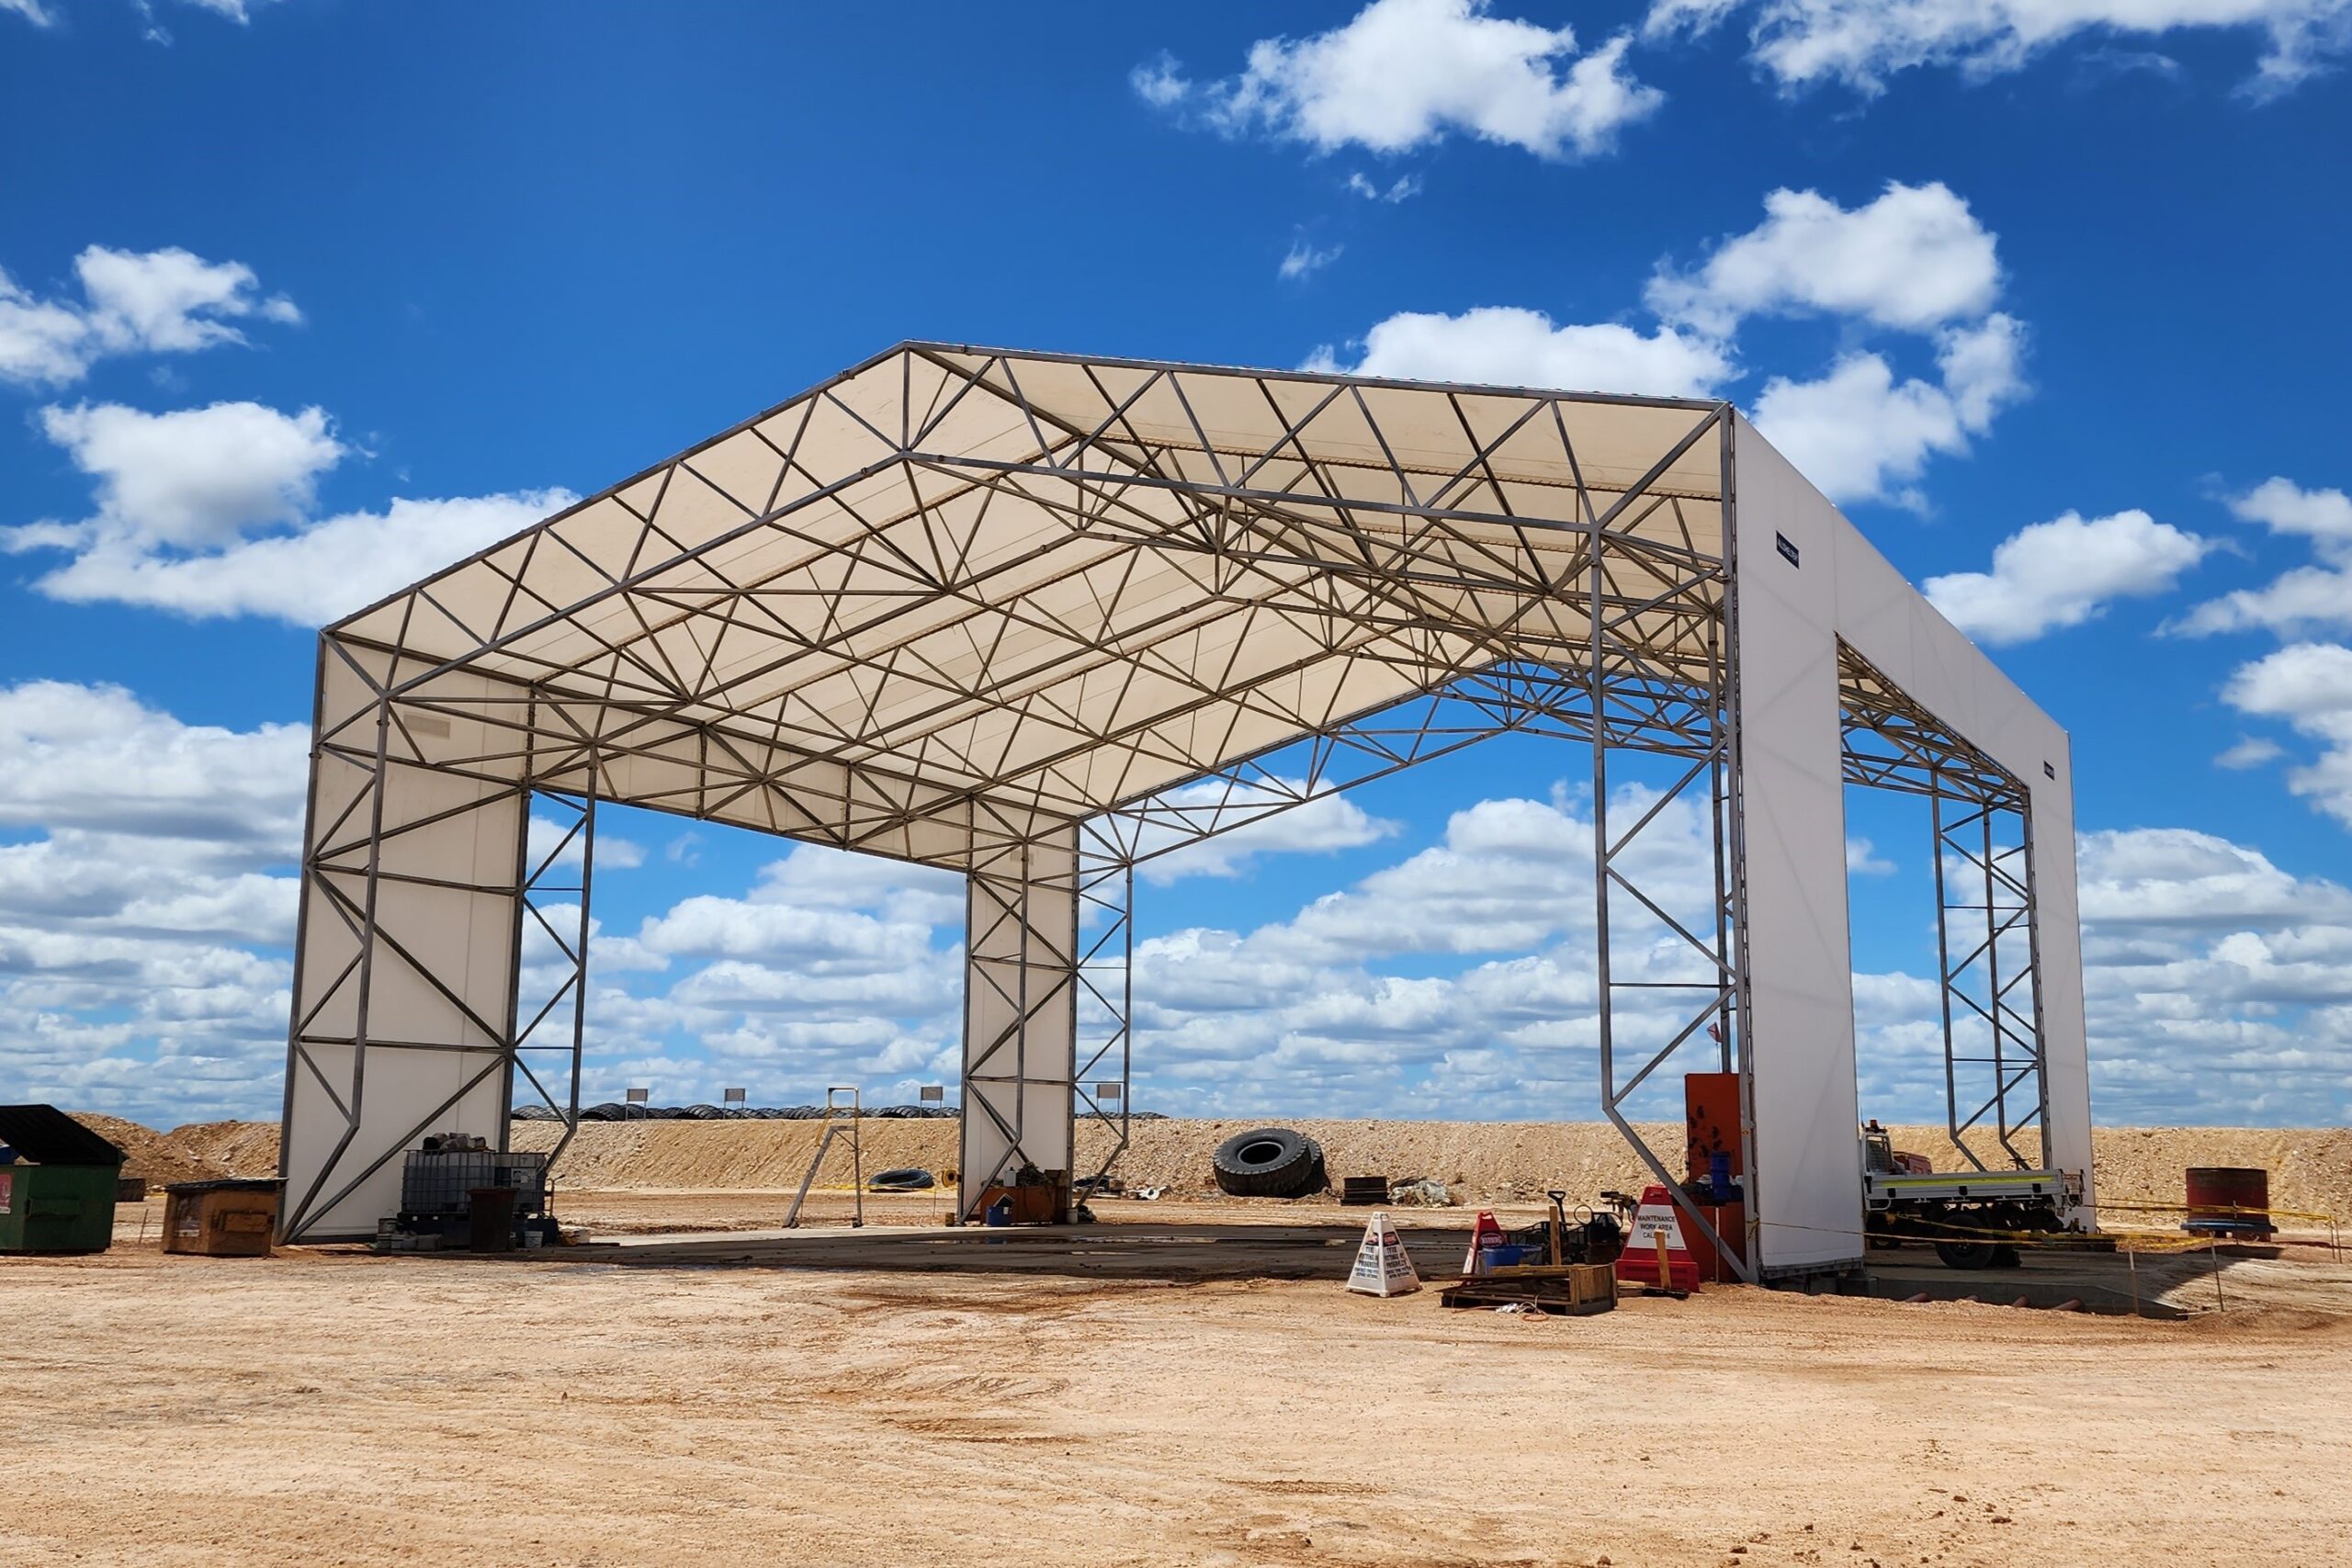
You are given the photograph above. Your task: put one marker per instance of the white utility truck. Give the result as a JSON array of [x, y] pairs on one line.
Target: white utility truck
[[1972, 1217]]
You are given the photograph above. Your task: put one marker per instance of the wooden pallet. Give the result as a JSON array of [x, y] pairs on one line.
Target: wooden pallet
[[1568, 1289]]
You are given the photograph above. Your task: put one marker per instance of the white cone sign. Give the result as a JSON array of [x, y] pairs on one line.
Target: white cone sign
[[1381, 1268]]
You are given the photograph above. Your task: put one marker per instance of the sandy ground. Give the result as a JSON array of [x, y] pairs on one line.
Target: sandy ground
[[326, 1408]]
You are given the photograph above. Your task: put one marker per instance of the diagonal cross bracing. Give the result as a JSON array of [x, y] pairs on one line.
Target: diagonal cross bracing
[[1039, 619]]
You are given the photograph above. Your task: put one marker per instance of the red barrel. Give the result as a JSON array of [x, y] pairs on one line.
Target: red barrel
[[2228, 1200]]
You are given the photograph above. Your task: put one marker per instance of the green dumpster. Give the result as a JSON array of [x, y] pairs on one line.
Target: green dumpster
[[63, 1200]]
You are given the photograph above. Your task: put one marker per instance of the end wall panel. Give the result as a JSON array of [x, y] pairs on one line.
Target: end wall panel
[[1799, 1034]]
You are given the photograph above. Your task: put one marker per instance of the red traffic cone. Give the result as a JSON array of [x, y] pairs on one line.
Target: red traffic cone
[[1488, 1232]]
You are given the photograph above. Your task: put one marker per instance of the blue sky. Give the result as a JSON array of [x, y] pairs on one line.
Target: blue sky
[[304, 297]]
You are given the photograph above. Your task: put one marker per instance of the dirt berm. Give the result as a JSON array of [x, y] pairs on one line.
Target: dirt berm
[[2311, 1168]]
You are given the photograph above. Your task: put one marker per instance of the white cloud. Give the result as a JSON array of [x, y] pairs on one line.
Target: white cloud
[[2064, 572], [1858, 434], [1403, 74], [2309, 685], [2218, 983], [144, 927], [165, 301], [900, 984], [1303, 260], [2322, 516], [547, 838], [196, 477], [1863, 43], [2184, 878], [206, 512], [1914, 259], [2304, 599], [2196, 946], [815, 941], [96, 758], [1509, 346], [1983, 368], [818, 877], [1861, 435], [1404, 188], [144, 946], [1255, 820], [1160, 82], [2250, 751], [43, 16], [324, 571], [142, 930], [1508, 876], [1863, 859]]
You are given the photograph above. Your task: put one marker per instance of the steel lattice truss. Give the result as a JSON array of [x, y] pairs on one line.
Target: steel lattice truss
[[1987, 969], [1037, 619], [1036, 589]]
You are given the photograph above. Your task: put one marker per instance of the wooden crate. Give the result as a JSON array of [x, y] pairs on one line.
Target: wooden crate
[[221, 1219]]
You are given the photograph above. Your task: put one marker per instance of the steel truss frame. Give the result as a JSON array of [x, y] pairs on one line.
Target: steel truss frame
[[566, 1002], [1516, 699], [917, 694], [1989, 962]]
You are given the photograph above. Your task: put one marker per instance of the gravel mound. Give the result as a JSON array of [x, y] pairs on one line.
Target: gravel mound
[[2311, 1168], [154, 1156]]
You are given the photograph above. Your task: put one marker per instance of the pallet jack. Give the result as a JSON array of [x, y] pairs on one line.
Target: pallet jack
[[1574, 1279]]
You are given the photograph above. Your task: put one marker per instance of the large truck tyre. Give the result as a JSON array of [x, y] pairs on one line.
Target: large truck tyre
[[1269, 1162]]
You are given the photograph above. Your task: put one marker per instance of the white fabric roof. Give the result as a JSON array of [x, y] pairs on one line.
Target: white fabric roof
[[1068, 583]]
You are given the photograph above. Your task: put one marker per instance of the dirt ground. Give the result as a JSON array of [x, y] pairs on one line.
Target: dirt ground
[[329, 1406], [325, 1407]]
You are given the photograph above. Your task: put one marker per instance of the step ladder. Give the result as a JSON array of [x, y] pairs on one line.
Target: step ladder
[[841, 1116]]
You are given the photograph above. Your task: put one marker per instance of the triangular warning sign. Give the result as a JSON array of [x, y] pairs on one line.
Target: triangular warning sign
[[1382, 1266], [1656, 1239]]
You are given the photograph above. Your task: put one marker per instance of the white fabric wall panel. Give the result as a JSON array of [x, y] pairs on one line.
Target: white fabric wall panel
[[1792, 617], [1805, 1179], [440, 986]]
